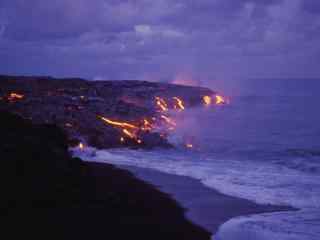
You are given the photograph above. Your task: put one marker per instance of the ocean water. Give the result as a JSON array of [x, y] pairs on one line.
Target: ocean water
[[264, 146]]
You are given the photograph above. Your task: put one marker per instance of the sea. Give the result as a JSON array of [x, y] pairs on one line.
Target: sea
[[263, 146]]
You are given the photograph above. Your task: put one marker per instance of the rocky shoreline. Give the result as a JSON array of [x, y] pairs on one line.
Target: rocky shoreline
[[77, 106], [45, 193]]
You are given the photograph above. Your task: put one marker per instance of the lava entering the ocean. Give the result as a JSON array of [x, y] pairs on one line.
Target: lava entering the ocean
[[162, 122]]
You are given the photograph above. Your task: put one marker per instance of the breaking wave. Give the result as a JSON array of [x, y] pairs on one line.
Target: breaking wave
[[263, 147]]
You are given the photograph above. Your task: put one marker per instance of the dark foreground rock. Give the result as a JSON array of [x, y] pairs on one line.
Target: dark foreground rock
[[47, 194], [76, 104]]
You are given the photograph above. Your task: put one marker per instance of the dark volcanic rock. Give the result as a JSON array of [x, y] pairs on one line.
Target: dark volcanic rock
[[47, 194], [75, 104]]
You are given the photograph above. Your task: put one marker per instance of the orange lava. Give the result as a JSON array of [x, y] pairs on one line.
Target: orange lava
[[129, 130], [220, 100], [161, 123], [81, 146], [189, 145], [180, 104], [162, 104], [119, 124], [207, 100], [147, 126], [128, 133], [15, 96]]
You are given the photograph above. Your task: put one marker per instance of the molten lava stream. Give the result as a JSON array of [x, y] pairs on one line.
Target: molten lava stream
[[81, 146], [220, 100], [128, 133], [147, 126], [15, 97], [118, 124], [189, 145], [207, 100], [132, 135], [129, 130], [180, 104], [162, 104]]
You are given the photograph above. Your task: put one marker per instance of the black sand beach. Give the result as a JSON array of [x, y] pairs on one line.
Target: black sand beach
[[204, 206], [48, 194]]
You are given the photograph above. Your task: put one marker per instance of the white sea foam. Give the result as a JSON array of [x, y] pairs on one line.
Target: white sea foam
[[263, 183], [301, 225]]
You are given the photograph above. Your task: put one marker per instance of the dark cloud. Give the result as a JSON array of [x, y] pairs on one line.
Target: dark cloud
[[205, 39], [38, 19], [311, 6]]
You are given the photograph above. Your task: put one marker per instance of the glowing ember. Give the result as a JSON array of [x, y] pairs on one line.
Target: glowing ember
[[162, 104], [207, 100], [220, 100], [15, 96], [147, 126], [119, 124], [81, 146], [189, 145], [122, 139], [180, 104], [146, 122]]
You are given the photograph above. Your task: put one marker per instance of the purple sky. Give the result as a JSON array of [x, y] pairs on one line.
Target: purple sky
[[161, 39]]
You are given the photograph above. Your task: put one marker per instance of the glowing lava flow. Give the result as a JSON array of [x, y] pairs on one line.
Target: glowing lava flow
[[207, 100], [15, 96], [189, 145], [147, 126], [81, 146], [132, 133], [128, 133], [220, 100], [161, 122], [119, 124], [162, 104], [180, 104]]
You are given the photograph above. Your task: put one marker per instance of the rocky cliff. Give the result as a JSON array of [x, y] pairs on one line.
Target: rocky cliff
[[103, 114]]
